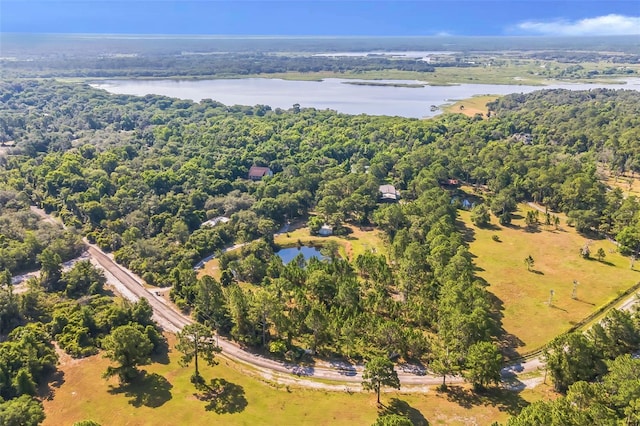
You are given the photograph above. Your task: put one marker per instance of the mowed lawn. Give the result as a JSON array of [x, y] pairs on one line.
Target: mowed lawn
[[524, 295], [472, 106], [168, 398], [357, 242], [352, 245]]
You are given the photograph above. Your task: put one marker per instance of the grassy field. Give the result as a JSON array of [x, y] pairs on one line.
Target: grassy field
[[211, 268], [472, 106], [628, 183], [517, 72], [166, 397], [523, 295], [357, 242]]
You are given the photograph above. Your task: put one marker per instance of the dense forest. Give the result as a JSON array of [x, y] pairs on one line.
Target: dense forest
[[198, 65], [67, 306], [139, 175]]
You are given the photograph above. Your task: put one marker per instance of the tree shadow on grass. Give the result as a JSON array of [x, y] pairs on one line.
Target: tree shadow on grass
[[468, 233], [504, 399], [577, 299], [402, 408], [603, 261], [490, 227], [150, 390], [509, 343], [532, 229], [222, 396], [47, 390], [161, 354]]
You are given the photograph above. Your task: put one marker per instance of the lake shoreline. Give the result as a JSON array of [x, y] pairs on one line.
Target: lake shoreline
[[405, 98]]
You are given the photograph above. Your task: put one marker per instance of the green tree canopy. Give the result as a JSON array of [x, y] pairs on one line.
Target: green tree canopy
[[197, 341], [379, 372], [21, 411], [483, 364], [128, 346]]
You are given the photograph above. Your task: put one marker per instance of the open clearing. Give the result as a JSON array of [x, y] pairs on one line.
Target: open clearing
[[167, 397], [357, 242], [528, 320], [472, 106], [352, 245], [629, 183], [517, 71]]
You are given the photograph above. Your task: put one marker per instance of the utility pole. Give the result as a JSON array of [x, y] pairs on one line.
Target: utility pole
[[551, 293], [575, 289]]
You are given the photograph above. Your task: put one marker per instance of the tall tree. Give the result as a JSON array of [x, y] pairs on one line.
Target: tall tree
[[211, 305], [483, 363], [197, 341], [529, 262], [480, 215], [129, 347], [83, 278], [571, 358], [50, 269], [9, 309], [379, 372], [21, 411]]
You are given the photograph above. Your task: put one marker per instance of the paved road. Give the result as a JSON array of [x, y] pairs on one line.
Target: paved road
[[166, 315], [172, 320]]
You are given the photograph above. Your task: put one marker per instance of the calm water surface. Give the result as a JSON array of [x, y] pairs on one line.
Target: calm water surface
[[331, 93], [288, 254]]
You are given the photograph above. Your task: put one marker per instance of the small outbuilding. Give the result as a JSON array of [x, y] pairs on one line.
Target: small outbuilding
[[216, 220], [388, 193], [325, 230], [257, 172], [449, 183]]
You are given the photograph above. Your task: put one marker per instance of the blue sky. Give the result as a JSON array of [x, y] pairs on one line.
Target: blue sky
[[324, 17]]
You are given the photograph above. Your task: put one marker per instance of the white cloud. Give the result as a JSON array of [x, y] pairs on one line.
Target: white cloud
[[601, 25]]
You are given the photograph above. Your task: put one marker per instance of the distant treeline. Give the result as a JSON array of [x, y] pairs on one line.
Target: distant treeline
[[199, 65]]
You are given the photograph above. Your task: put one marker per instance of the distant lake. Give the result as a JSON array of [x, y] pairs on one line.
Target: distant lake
[[332, 93], [288, 254]]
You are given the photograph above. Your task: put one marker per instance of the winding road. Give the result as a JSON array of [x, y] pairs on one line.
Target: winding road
[[348, 377], [131, 286]]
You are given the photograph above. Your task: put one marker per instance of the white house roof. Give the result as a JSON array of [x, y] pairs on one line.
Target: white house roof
[[215, 221]]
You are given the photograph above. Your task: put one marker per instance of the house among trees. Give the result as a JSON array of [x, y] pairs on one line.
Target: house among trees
[[525, 138], [449, 183], [388, 193], [325, 230], [216, 220], [257, 172]]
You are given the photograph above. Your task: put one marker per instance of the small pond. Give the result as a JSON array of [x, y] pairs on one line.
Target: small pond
[[288, 254]]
